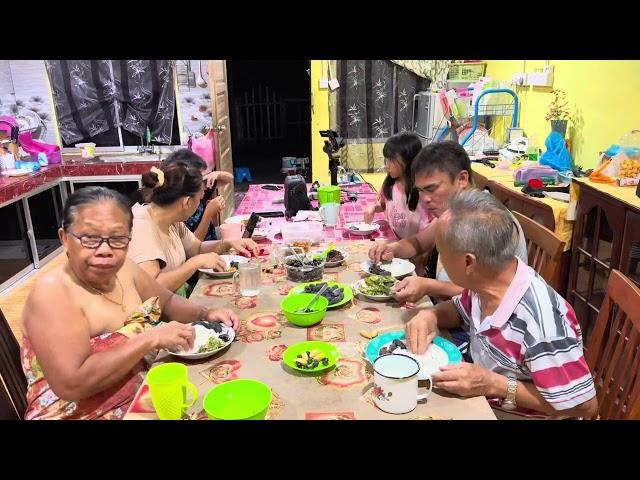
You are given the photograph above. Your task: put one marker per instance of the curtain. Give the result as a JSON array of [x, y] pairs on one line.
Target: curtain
[[146, 97], [94, 96], [84, 97], [374, 101]]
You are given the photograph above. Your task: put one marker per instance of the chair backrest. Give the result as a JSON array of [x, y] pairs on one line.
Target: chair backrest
[[613, 351], [544, 249], [13, 380]]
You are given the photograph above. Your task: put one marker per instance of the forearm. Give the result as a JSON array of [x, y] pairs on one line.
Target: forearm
[[203, 226], [443, 290], [528, 396], [215, 246], [224, 178], [105, 369], [182, 310], [174, 279], [406, 248]]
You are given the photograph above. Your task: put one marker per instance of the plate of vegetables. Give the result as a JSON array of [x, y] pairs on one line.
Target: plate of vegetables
[[211, 337], [232, 261], [376, 287]]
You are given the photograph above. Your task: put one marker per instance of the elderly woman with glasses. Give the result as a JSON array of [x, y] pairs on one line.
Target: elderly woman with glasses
[[88, 336]]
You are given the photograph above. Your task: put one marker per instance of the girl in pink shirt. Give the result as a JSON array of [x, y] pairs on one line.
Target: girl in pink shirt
[[398, 200]]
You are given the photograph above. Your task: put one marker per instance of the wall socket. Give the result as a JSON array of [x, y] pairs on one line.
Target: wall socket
[[518, 79], [323, 83]]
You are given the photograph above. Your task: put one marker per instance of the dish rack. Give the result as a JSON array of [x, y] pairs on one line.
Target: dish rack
[[484, 107]]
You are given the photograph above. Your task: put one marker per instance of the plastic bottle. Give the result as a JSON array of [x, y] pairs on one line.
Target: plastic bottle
[[532, 150]]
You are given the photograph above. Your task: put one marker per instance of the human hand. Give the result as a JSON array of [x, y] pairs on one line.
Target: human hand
[[244, 246], [215, 205], [213, 261], [369, 213], [465, 379], [209, 179], [382, 251], [421, 330], [224, 315], [411, 289], [173, 335]]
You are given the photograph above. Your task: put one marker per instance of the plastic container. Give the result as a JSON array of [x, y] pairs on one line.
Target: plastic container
[[241, 399], [302, 231], [303, 274]]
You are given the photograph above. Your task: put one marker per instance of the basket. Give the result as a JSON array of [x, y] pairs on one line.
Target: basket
[[466, 71]]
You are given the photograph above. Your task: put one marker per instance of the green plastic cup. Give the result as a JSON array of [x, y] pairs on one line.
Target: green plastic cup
[[291, 304], [168, 385], [241, 399]]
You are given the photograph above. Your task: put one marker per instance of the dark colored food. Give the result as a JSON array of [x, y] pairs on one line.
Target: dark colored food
[[334, 294], [311, 271], [311, 360], [334, 256], [376, 270]]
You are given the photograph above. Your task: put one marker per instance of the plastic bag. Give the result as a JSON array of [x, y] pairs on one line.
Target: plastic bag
[[205, 147], [557, 156]]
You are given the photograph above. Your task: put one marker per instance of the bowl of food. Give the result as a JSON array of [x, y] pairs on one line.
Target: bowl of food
[[241, 399], [293, 306], [232, 261], [376, 287], [335, 258], [308, 270], [311, 356]]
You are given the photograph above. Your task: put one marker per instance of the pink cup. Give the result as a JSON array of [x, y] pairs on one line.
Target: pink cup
[[230, 231]]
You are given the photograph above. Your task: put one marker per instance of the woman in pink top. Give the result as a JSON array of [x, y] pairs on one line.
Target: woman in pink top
[[398, 200]]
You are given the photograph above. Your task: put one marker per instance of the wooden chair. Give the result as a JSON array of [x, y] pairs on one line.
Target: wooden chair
[[13, 384], [613, 351], [544, 249]]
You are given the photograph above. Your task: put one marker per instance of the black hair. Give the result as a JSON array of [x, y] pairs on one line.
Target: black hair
[[406, 146], [447, 156], [182, 178], [186, 157], [90, 195]]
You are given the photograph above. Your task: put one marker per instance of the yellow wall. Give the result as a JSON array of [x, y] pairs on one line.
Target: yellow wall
[[603, 96], [320, 121]]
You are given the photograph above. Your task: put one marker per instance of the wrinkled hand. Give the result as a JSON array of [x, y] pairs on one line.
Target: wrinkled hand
[[382, 251], [213, 261], [464, 379], [215, 205], [209, 179], [421, 330], [411, 289], [224, 315], [244, 246], [369, 213], [173, 335]]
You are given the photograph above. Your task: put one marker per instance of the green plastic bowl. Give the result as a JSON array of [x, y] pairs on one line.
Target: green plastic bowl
[[290, 354], [241, 399], [296, 302]]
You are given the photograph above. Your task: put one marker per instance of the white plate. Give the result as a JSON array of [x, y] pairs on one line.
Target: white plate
[[345, 256], [377, 298], [228, 259], [362, 228], [398, 267], [17, 172], [430, 361], [202, 337], [259, 234]]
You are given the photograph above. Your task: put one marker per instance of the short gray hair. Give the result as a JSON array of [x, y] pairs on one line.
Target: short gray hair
[[481, 225]]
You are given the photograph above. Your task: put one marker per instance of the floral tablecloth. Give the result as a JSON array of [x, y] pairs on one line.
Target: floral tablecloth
[[343, 392]]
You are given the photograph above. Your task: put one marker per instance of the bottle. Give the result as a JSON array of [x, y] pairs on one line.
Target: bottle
[[532, 150]]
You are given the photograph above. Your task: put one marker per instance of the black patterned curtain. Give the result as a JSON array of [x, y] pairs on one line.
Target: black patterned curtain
[[94, 96], [374, 101]]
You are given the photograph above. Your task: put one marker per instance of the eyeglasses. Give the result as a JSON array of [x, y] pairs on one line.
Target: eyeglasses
[[94, 241]]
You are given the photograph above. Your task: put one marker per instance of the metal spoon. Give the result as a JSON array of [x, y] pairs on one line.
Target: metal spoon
[[315, 297]]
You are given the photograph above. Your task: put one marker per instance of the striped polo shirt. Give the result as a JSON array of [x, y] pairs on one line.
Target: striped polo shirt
[[534, 334]]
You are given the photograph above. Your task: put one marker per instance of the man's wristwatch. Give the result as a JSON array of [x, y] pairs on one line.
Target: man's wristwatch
[[509, 403]]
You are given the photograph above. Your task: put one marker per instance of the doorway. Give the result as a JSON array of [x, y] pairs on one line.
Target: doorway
[[270, 115]]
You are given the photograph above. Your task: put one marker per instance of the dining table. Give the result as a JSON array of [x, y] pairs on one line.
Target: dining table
[[344, 391]]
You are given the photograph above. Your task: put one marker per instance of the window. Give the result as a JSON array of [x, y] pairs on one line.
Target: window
[[117, 104]]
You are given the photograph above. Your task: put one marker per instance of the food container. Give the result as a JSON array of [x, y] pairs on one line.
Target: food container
[[302, 231], [303, 274]]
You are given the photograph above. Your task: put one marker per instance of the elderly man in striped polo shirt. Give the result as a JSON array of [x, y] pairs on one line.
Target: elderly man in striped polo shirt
[[525, 341]]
